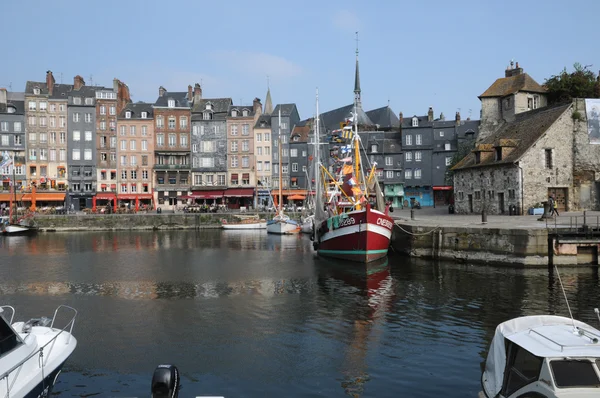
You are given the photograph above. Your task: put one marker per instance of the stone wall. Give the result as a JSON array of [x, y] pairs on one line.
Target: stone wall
[[586, 166]]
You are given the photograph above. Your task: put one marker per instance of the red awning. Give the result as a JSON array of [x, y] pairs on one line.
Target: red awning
[[105, 195], [207, 194], [239, 192], [443, 188], [145, 196], [113, 186], [102, 185], [246, 176]]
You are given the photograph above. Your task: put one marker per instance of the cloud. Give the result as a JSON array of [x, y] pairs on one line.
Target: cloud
[[346, 20], [258, 64]]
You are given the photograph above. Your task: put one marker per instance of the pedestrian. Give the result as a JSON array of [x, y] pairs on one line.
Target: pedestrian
[[553, 206]]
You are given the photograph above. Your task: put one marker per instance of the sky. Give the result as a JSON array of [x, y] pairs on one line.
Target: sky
[[413, 54]]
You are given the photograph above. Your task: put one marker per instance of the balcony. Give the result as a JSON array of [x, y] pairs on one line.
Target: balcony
[[172, 167]]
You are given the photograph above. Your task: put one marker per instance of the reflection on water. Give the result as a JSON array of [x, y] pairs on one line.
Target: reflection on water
[[244, 313]]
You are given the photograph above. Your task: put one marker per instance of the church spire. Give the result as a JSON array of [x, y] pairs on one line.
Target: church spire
[[268, 101], [357, 79]]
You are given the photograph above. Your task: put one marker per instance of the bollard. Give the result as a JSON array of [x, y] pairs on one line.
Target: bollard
[[483, 217], [412, 214]]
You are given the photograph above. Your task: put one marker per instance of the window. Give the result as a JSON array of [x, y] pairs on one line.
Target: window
[[112, 110], [234, 161], [52, 107], [76, 135], [76, 154], [132, 130], [267, 150], [389, 161], [234, 179], [113, 142], [171, 103], [76, 117], [207, 162], [32, 137], [144, 145], [523, 368], [88, 135], [183, 122], [63, 121], [408, 156], [477, 195], [88, 118], [448, 160], [234, 146], [245, 146], [511, 194], [18, 140], [245, 112], [417, 173], [160, 139], [293, 153], [144, 131], [52, 121], [17, 127], [32, 105], [103, 125], [548, 157], [61, 107], [43, 121], [103, 110], [89, 101], [389, 174], [128, 115], [418, 156], [267, 137], [144, 174], [304, 168], [245, 129], [62, 155], [123, 188], [447, 146], [441, 133], [5, 140], [145, 160], [258, 137], [206, 115], [294, 166], [259, 166], [418, 139], [234, 129], [123, 131], [285, 152], [144, 115], [259, 150], [76, 187], [123, 160], [133, 186], [207, 146], [160, 122], [133, 160], [415, 122], [408, 174], [123, 145], [172, 140], [267, 166], [132, 145], [171, 123], [245, 161], [183, 141], [408, 140], [3, 126], [43, 138], [31, 120], [284, 169], [87, 154]]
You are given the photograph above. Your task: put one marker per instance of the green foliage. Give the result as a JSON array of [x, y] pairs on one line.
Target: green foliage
[[576, 115], [581, 83], [464, 148]]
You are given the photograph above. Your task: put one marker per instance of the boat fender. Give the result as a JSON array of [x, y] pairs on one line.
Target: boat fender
[[165, 382]]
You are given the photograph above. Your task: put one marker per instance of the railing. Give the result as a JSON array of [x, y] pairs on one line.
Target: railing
[[172, 166], [586, 225], [40, 350]]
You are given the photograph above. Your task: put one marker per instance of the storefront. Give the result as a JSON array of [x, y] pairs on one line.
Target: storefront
[[442, 195], [263, 198], [394, 194], [209, 197], [414, 196], [239, 197]]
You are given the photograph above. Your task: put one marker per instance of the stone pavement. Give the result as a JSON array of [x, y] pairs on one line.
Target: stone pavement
[[439, 216]]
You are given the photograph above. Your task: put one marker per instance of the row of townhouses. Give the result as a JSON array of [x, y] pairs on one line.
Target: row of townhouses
[[81, 146]]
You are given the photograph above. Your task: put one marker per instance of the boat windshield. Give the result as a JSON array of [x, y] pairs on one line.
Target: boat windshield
[[575, 373], [8, 338]]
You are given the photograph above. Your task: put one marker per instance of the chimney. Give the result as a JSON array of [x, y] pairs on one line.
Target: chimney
[[401, 117], [161, 91], [78, 82], [123, 95], [457, 118], [197, 92], [442, 117], [257, 106], [190, 97], [50, 82], [513, 70], [430, 114], [3, 98]]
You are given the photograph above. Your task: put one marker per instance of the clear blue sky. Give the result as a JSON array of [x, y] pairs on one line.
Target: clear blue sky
[[415, 54]]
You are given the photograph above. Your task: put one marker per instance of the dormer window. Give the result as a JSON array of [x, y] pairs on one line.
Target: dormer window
[[77, 100], [36, 90], [234, 113], [171, 103], [296, 138], [374, 148], [144, 115], [245, 112], [128, 115], [208, 106], [207, 116], [11, 109], [415, 122]]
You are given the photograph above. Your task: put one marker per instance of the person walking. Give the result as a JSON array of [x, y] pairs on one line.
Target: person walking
[[554, 207]]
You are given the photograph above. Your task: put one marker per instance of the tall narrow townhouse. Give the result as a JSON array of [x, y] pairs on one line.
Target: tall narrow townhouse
[[136, 154], [280, 134], [262, 154], [209, 148], [241, 176], [36, 131], [57, 135], [172, 166], [12, 141]]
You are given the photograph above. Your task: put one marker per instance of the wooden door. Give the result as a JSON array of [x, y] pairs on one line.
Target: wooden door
[[501, 202], [560, 195]]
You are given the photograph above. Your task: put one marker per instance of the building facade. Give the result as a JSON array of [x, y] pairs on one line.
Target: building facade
[[299, 162], [262, 154], [12, 139], [172, 168], [283, 119]]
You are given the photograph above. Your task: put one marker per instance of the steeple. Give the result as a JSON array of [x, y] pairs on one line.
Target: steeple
[[357, 79], [268, 101]]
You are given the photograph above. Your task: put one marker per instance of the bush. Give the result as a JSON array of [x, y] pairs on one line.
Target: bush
[[576, 115]]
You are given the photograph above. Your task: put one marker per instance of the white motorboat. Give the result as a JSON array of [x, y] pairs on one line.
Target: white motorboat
[[245, 224], [281, 224], [308, 224], [32, 353]]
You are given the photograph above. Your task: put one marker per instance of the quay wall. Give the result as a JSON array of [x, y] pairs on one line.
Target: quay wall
[[500, 246], [127, 222]]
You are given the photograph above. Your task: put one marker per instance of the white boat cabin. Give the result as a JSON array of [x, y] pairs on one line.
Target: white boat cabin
[[543, 356]]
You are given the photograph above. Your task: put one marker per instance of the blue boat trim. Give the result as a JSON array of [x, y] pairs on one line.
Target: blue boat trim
[[353, 251], [44, 388]]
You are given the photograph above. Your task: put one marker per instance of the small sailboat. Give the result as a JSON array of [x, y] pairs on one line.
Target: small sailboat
[[347, 224], [281, 224], [16, 225], [245, 222]]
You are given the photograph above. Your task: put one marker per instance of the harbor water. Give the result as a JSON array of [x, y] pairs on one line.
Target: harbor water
[[246, 314]]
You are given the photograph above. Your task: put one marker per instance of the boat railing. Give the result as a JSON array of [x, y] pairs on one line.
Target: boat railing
[[40, 350], [582, 332], [12, 316]]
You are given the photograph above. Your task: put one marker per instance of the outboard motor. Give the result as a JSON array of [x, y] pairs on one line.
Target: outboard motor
[[165, 382]]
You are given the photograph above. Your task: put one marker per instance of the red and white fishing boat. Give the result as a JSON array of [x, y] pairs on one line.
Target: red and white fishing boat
[[350, 223]]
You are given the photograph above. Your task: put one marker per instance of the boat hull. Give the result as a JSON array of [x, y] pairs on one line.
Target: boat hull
[[15, 229], [283, 227], [257, 225], [45, 387], [307, 225], [361, 236]]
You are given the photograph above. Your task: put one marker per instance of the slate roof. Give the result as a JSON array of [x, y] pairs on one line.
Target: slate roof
[[286, 109], [263, 119], [85, 91], [219, 105], [510, 85], [332, 119], [136, 110], [31, 84], [180, 97], [18, 105], [61, 91], [15, 96], [384, 117], [526, 129], [240, 108]]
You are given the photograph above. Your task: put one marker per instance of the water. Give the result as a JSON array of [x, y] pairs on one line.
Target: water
[[246, 314]]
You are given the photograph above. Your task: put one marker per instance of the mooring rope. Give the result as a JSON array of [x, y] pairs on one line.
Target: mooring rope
[[412, 233]]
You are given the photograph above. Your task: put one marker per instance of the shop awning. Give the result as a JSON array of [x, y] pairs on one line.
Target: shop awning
[[239, 192], [49, 197], [443, 188], [145, 196], [215, 194], [105, 196], [286, 192], [296, 197]]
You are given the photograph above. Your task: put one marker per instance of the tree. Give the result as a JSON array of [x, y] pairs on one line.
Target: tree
[[464, 148], [581, 83]]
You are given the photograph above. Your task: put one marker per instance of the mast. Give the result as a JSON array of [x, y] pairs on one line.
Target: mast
[[280, 162], [317, 143], [14, 187], [356, 147]]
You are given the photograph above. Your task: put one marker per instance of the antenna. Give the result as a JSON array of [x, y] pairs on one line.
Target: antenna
[[91, 80], [565, 294], [470, 111], [268, 86]]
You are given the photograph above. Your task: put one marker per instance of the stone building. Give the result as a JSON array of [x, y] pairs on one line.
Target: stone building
[[241, 174], [12, 140], [172, 166], [209, 147]]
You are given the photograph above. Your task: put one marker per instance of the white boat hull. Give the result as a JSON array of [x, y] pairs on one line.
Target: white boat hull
[[257, 225], [15, 229], [307, 225], [283, 227]]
